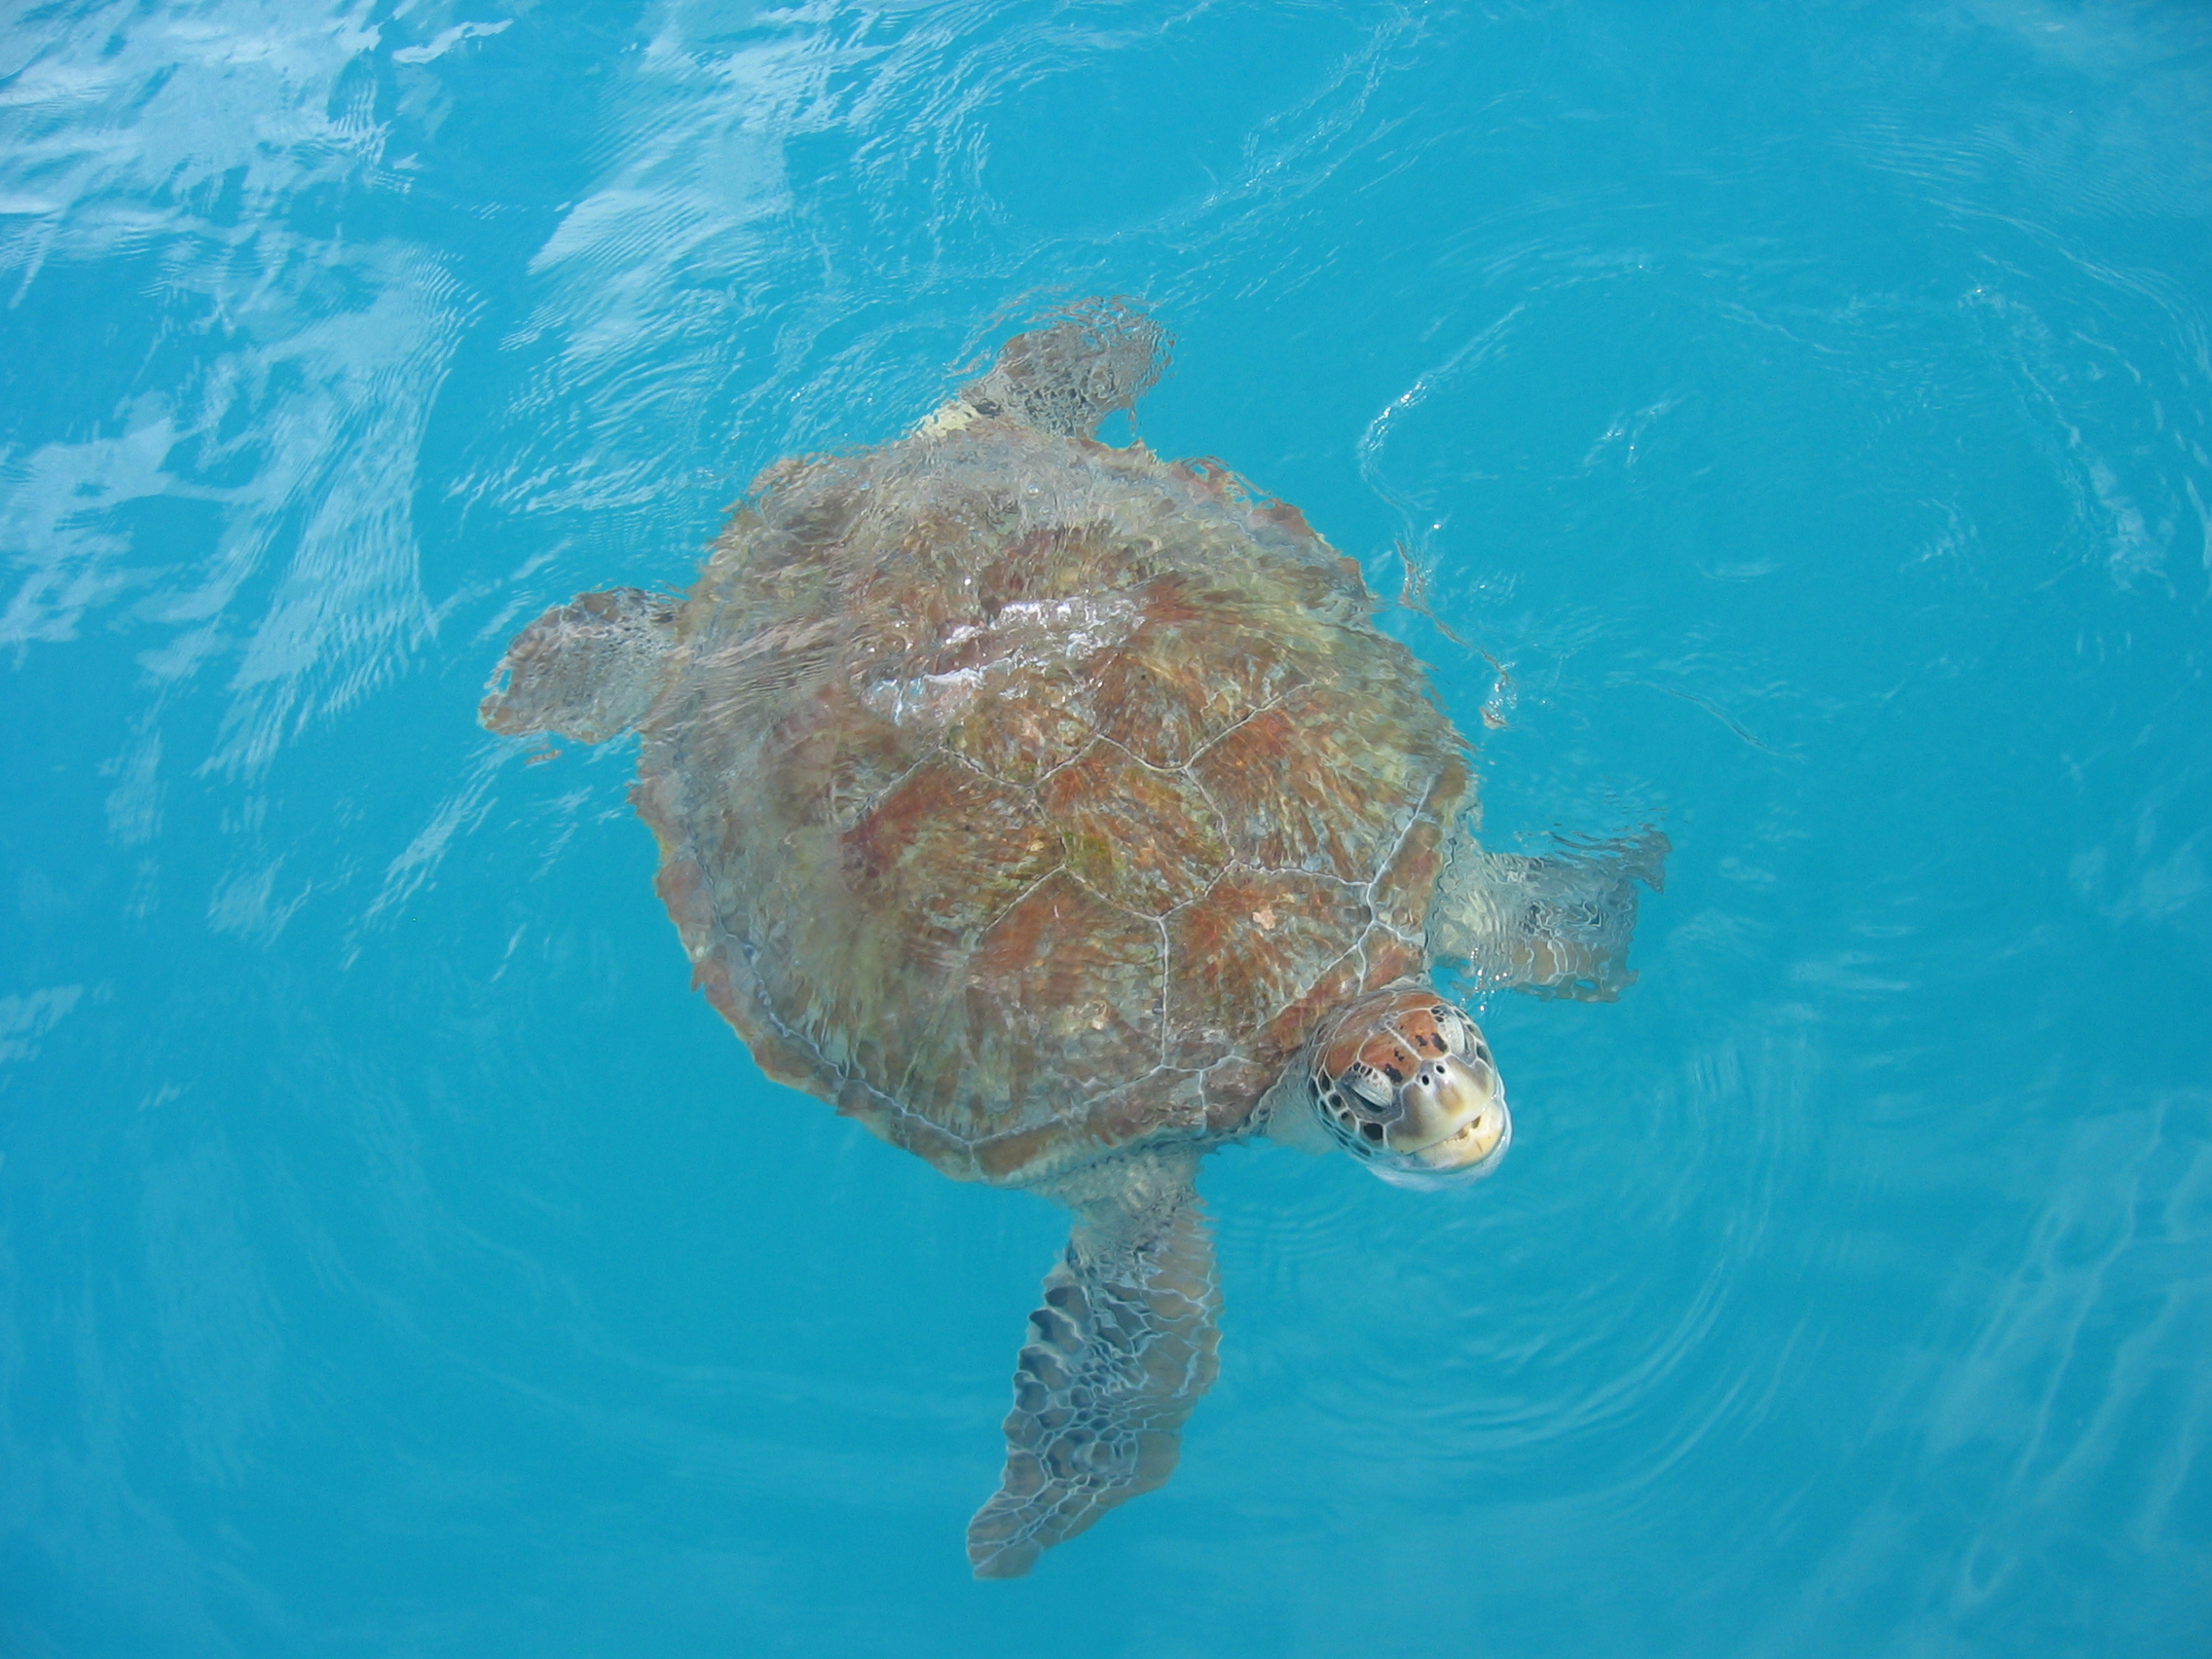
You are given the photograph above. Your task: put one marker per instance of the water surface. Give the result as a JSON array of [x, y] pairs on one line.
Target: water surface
[[1808, 408]]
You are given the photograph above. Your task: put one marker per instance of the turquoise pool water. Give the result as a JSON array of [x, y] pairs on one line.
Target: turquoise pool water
[[1808, 407]]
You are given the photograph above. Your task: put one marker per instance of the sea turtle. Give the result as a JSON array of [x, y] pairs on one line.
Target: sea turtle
[[1058, 812]]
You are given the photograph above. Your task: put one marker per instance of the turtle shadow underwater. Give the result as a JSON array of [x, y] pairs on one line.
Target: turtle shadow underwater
[[1058, 812]]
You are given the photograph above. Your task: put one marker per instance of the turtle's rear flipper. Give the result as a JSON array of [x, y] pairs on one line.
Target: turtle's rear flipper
[[1117, 1357], [589, 668], [1554, 927]]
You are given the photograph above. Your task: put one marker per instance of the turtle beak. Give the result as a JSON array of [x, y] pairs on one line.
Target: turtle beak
[[1452, 1116]]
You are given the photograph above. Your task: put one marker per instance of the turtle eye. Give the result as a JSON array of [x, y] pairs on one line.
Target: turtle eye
[[1458, 1032], [1364, 1080]]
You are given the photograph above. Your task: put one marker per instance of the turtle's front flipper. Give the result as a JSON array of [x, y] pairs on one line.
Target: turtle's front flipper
[[589, 668], [1118, 1355], [1556, 927]]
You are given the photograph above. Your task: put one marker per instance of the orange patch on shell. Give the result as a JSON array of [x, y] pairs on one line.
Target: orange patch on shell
[[1229, 977], [947, 851], [1145, 838], [1286, 1033], [1197, 666], [1062, 1003], [1062, 561], [836, 756], [1021, 731], [1310, 786], [1403, 890], [1389, 959]]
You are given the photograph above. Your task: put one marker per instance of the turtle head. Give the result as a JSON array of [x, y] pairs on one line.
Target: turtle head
[[1402, 1080]]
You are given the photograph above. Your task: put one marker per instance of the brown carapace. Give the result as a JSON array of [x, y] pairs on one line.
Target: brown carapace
[[1034, 802]]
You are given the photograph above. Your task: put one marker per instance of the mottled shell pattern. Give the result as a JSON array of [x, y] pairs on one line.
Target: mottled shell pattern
[[1028, 798]]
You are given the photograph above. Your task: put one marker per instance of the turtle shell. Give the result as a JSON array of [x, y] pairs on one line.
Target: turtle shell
[[1027, 797]]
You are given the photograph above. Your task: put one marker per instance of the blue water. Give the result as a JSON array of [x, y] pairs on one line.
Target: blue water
[[1808, 406]]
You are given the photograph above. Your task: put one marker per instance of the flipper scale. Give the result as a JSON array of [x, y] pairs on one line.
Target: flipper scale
[[1118, 1355]]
